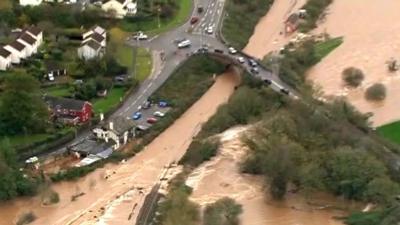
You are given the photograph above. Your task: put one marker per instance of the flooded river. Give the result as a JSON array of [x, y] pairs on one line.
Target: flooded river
[[220, 177], [116, 200]]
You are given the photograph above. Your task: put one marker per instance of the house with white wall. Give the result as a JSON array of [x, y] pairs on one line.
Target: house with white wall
[[93, 44], [5, 58], [121, 8], [119, 130], [29, 42], [36, 33], [30, 2], [18, 51]]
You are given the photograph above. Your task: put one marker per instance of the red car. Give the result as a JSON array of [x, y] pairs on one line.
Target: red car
[[151, 120], [194, 20]]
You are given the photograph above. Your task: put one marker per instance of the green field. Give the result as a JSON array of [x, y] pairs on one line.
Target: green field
[[391, 131], [156, 26], [58, 91], [107, 103], [143, 64]]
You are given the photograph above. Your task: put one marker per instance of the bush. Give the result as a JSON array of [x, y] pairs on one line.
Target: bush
[[26, 218], [352, 76], [199, 152], [223, 212], [376, 92]]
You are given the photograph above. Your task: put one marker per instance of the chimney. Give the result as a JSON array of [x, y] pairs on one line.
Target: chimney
[[111, 126]]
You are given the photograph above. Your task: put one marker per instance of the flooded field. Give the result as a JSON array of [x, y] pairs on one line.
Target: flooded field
[[371, 37], [114, 194], [221, 177]]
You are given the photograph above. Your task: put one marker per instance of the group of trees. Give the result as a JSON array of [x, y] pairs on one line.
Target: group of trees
[[314, 9], [22, 109], [12, 181]]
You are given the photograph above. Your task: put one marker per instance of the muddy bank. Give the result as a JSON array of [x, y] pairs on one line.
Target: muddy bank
[[221, 177], [127, 183], [371, 38], [268, 34]]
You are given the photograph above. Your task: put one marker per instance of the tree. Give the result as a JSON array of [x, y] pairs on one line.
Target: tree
[[352, 76], [376, 92], [225, 211], [382, 190], [22, 109]]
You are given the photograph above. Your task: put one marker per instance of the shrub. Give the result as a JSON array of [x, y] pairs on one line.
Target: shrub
[[26, 218], [352, 76], [376, 92], [199, 152], [223, 212]]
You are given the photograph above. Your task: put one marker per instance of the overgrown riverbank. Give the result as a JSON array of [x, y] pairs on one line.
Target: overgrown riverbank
[[240, 19]]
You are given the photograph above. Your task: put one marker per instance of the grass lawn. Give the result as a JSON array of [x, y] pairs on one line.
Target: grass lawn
[[152, 26], [391, 131], [324, 48], [58, 91], [25, 140], [107, 103], [5, 4], [143, 64]]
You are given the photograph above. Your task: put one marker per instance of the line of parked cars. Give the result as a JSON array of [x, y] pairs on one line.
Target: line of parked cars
[[155, 115]]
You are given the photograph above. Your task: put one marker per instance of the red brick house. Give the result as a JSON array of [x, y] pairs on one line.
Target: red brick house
[[69, 111]]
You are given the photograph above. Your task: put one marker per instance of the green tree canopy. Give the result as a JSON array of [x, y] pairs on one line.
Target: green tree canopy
[[22, 109]]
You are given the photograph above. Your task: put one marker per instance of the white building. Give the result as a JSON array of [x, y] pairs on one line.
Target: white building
[[93, 44], [120, 7], [5, 59], [29, 42], [30, 2], [119, 131], [37, 34], [18, 51]]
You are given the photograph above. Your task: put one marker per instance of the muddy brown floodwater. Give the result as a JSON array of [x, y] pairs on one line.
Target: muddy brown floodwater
[[221, 177], [371, 37], [113, 200]]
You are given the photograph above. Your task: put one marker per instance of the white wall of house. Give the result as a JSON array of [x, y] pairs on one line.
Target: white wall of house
[[30, 2], [15, 55], [116, 6], [29, 48], [86, 52], [5, 63]]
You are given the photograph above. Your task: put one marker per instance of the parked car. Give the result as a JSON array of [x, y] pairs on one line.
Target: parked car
[[232, 50], [163, 104], [158, 114], [240, 59], [252, 63], [194, 20], [146, 105], [254, 70], [218, 51], [151, 120], [284, 91], [136, 115], [209, 30], [140, 36], [267, 81], [184, 44]]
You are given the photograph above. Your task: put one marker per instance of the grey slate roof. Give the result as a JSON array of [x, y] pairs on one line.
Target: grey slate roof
[[92, 44], [121, 125], [4, 52], [34, 30], [97, 37], [64, 103], [27, 38], [17, 46]]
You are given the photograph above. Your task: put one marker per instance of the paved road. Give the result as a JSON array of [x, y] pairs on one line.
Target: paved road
[[167, 43]]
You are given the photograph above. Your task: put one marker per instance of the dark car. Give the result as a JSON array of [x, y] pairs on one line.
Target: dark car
[[252, 63], [151, 120], [194, 20], [218, 51], [254, 70], [267, 82], [284, 91], [200, 9]]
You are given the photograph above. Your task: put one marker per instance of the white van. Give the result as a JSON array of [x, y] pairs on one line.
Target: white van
[[184, 44]]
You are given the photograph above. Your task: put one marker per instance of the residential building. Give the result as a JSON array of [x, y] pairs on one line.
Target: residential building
[[53, 70], [93, 44], [30, 2], [36, 33], [5, 58], [89, 50], [121, 8], [69, 111], [119, 130], [29, 42], [18, 51]]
